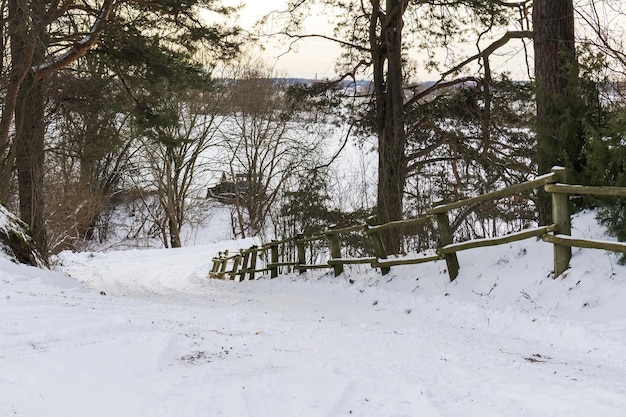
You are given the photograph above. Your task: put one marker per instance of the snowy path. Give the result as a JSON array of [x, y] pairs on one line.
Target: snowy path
[[166, 341]]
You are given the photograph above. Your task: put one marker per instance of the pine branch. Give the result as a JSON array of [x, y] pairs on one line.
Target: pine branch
[[521, 34]]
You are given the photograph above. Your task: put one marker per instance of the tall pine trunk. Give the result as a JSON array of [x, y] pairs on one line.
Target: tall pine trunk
[[29, 158], [390, 120], [22, 45], [29, 134], [556, 72]]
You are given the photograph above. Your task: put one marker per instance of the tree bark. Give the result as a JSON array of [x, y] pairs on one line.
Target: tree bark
[[555, 71], [555, 57], [29, 41], [30, 128], [22, 47], [29, 158], [390, 124]]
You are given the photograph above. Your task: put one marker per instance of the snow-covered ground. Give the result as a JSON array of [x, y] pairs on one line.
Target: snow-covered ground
[[147, 333]]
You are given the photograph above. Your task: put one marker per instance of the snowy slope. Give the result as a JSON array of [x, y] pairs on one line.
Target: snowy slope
[[146, 333]]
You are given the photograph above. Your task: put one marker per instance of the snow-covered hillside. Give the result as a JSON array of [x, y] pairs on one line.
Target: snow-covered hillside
[[147, 333]]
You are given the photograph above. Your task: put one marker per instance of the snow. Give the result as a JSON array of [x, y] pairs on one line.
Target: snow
[[147, 333]]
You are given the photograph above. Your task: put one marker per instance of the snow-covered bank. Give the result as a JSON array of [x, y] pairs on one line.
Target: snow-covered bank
[[147, 333]]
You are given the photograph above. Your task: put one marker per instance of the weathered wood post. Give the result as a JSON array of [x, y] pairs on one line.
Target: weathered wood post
[[301, 253], [254, 253], [274, 259], [235, 269], [335, 250], [377, 243], [446, 238], [562, 221], [224, 264], [245, 258], [216, 265]]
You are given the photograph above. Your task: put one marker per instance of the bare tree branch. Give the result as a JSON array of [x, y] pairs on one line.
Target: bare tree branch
[[519, 34], [484, 54], [604, 42], [80, 48], [318, 36], [514, 4], [57, 11], [438, 86]]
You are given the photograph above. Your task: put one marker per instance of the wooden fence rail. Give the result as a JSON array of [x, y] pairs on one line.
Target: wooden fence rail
[[246, 262]]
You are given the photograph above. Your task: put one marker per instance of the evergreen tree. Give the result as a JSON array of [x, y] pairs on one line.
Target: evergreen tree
[[560, 110], [377, 36], [606, 153]]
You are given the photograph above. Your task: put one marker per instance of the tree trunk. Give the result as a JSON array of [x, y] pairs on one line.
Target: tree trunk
[[30, 132], [558, 142], [388, 82], [22, 45], [29, 158], [175, 241]]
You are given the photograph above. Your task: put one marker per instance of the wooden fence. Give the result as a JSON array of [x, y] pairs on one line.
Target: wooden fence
[[266, 259]]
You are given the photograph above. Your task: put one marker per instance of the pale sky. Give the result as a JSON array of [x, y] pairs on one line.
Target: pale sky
[[314, 58]]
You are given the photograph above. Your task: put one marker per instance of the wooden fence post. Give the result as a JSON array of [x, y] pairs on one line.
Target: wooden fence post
[[254, 253], [224, 264], [216, 264], [236, 262], [561, 218], [335, 250], [274, 259], [245, 258], [446, 238], [377, 244], [301, 253]]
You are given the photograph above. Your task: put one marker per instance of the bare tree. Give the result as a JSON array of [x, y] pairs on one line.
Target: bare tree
[[176, 160], [88, 153], [267, 144]]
